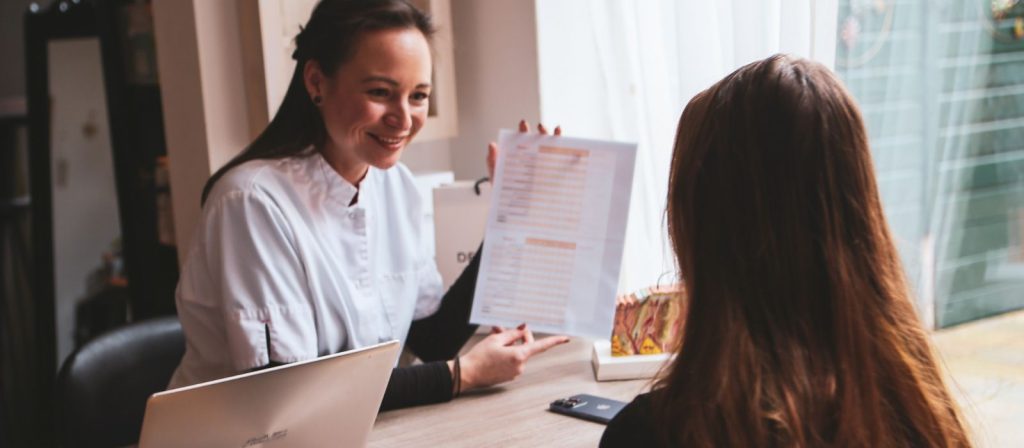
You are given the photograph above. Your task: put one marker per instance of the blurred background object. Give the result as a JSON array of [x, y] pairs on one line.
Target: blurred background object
[[84, 254]]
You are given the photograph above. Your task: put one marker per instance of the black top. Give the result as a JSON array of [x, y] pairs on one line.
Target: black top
[[632, 426], [435, 340]]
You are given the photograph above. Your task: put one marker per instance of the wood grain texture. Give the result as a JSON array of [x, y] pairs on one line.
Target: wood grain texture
[[514, 414]]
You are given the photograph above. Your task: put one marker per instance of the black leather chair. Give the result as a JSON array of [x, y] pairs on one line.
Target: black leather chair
[[104, 385]]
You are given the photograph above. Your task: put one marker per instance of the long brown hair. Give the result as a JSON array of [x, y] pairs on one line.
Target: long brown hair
[[329, 37], [800, 330]]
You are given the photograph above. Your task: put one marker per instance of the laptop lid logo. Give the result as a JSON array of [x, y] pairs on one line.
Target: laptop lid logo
[[266, 438]]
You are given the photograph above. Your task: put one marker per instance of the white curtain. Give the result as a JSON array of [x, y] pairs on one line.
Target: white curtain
[[976, 174], [940, 85], [951, 167], [881, 61], [623, 70]]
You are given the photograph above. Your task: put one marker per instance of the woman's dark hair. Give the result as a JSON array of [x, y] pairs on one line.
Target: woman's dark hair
[[329, 38], [800, 329]]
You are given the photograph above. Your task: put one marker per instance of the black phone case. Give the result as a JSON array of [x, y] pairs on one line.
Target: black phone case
[[587, 407]]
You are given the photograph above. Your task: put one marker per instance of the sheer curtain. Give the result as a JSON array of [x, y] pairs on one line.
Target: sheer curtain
[[941, 86], [963, 74], [881, 61], [977, 185], [624, 70]]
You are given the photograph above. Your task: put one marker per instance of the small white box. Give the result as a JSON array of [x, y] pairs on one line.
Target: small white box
[[608, 367]]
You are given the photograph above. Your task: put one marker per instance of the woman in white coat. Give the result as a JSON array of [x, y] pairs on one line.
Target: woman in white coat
[[311, 240]]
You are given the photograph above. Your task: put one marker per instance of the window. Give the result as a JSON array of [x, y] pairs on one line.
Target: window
[[941, 87]]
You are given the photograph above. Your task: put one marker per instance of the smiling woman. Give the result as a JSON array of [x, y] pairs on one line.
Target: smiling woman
[[310, 241], [336, 56], [375, 106]]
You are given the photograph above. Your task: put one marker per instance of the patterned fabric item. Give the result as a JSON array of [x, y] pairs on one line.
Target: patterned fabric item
[[648, 321]]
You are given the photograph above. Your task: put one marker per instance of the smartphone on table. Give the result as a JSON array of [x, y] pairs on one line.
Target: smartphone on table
[[587, 407]]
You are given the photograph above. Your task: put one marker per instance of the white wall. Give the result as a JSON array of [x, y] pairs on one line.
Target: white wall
[[496, 73], [497, 83], [85, 214], [429, 156], [202, 79]]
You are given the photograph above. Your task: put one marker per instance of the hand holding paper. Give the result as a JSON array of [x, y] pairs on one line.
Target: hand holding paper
[[492, 148]]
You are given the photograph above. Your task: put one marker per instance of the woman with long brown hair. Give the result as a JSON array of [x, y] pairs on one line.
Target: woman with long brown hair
[[800, 328], [311, 240]]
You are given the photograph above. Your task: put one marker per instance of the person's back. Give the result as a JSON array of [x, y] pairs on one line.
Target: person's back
[[800, 329]]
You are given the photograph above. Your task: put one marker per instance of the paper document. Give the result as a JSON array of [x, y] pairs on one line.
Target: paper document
[[555, 233]]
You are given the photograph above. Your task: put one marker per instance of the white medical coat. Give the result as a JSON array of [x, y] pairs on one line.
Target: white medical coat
[[282, 269]]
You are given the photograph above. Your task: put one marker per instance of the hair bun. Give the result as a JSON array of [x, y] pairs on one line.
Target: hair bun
[[301, 44]]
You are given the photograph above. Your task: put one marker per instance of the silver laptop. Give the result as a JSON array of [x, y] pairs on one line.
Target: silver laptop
[[328, 401]]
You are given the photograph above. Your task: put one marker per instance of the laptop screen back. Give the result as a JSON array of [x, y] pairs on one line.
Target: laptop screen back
[[328, 401]]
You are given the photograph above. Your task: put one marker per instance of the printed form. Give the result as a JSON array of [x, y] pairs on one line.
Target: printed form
[[555, 234]]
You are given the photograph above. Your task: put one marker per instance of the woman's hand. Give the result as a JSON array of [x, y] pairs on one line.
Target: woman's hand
[[492, 148], [502, 356]]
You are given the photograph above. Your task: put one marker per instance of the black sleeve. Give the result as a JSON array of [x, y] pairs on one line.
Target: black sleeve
[[435, 339], [417, 385], [441, 335], [631, 426], [411, 386]]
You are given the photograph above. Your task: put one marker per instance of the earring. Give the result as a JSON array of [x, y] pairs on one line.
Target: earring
[[317, 99]]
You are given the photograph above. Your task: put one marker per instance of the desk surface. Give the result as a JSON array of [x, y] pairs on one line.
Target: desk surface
[[514, 414]]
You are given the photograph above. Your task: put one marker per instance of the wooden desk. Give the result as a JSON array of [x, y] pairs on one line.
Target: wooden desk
[[514, 414]]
